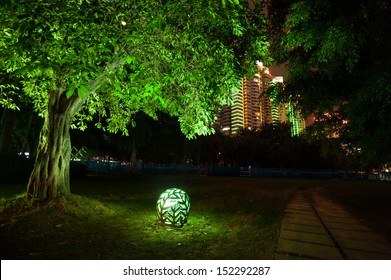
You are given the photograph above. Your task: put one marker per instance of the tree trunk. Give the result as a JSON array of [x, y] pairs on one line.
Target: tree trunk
[[133, 157], [50, 177]]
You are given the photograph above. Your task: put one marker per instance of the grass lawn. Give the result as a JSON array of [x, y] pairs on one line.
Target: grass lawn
[[113, 217]]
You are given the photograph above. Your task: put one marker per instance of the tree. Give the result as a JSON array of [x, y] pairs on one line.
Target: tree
[[338, 63], [8, 117], [79, 58]]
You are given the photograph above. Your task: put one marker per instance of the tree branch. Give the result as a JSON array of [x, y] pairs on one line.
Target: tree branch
[[94, 85]]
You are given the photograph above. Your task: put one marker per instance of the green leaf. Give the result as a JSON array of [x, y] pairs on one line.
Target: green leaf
[[83, 90], [71, 90], [129, 59]]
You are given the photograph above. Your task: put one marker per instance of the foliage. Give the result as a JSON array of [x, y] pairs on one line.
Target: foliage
[[120, 57], [78, 153], [270, 147], [9, 91], [273, 147], [337, 59], [158, 141]]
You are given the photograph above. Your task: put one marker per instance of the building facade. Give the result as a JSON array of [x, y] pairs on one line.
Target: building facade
[[252, 107]]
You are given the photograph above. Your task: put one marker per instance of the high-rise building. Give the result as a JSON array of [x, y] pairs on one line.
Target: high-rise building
[[296, 122], [251, 103], [237, 112], [266, 105], [253, 106], [279, 111], [224, 120]]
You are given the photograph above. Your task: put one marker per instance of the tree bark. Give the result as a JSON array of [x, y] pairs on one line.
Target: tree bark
[[50, 177]]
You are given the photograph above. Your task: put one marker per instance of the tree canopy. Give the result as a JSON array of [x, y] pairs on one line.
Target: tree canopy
[[79, 58], [337, 57], [182, 57]]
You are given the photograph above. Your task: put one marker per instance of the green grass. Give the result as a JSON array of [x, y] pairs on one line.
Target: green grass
[[113, 217]]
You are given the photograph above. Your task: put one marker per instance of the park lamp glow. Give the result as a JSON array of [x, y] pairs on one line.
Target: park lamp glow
[[173, 207]]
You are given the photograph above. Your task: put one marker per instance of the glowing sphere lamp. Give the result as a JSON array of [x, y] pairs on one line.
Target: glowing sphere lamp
[[173, 207]]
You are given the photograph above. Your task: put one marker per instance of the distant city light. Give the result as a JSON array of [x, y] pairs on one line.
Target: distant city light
[[25, 154], [173, 207], [278, 79]]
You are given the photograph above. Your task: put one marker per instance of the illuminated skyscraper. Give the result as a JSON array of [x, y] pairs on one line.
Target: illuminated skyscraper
[[224, 120], [237, 112], [279, 111], [252, 106], [251, 103], [265, 106], [282, 113]]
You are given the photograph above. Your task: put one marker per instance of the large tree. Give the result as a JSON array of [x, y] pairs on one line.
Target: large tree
[[339, 67], [79, 58]]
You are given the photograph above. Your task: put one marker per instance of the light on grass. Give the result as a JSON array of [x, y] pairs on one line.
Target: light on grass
[[173, 207]]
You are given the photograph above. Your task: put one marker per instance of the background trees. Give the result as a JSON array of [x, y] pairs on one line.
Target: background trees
[[336, 55], [76, 59], [273, 147]]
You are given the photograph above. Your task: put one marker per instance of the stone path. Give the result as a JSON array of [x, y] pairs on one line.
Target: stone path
[[314, 227]]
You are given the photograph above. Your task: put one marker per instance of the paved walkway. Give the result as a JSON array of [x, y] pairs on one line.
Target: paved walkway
[[314, 227]]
